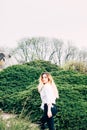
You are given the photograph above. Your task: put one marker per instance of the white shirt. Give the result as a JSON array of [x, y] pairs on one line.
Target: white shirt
[[47, 95]]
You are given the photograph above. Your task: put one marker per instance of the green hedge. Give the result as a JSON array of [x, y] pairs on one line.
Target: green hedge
[[18, 77], [47, 65], [18, 94], [72, 107], [70, 77]]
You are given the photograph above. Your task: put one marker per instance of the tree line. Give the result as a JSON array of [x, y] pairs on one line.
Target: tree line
[[48, 49]]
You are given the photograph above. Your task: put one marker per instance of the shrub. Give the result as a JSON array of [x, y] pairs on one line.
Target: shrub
[[47, 65], [76, 66], [20, 94], [18, 77], [70, 77]]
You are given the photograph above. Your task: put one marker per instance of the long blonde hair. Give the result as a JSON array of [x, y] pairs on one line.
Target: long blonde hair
[[51, 81]]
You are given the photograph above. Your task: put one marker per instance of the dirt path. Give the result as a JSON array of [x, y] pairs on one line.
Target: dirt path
[[6, 116]]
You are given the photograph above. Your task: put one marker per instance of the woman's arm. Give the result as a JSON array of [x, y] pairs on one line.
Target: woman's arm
[[49, 113]]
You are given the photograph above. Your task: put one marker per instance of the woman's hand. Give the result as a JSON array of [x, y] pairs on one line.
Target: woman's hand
[[49, 113]]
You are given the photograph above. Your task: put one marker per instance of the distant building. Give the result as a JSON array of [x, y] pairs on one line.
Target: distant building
[[2, 60], [6, 60]]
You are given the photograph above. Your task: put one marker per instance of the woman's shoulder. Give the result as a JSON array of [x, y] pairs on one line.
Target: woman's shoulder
[[48, 87]]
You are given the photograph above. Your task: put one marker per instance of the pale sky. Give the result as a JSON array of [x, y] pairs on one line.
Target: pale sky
[[62, 19]]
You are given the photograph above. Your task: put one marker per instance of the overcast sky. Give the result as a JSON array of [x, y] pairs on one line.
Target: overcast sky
[[63, 19]]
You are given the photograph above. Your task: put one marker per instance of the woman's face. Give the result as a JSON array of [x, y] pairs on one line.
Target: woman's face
[[44, 78]]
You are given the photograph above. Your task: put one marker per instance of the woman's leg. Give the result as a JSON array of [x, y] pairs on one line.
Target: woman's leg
[[43, 120], [50, 122]]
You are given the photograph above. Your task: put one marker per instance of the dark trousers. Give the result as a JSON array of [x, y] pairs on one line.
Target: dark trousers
[[45, 118]]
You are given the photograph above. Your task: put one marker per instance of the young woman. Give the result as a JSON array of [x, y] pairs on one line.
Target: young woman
[[48, 93]]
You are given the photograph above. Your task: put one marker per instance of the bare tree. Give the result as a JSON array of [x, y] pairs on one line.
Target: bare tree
[[41, 48], [23, 52], [70, 52], [33, 48], [58, 45], [82, 56]]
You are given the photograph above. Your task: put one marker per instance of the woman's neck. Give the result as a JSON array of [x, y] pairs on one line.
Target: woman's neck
[[46, 83]]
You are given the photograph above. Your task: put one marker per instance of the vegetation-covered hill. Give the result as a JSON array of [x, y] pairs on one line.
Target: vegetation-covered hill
[[18, 93]]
